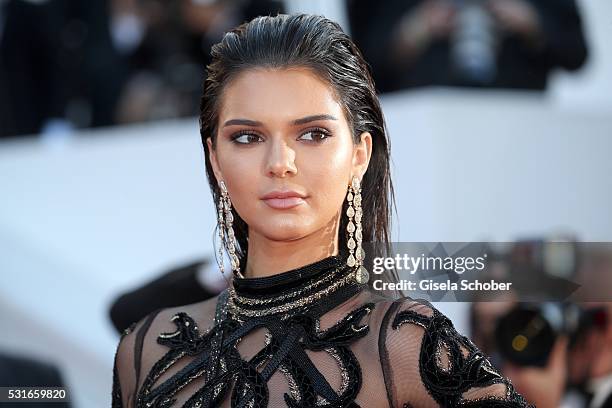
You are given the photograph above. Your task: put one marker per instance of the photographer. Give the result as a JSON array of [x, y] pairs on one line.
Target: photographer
[[492, 43], [590, 360], [572, 363], [563, 347]]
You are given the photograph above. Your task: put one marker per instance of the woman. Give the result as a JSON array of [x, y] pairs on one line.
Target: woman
[[298, 163]]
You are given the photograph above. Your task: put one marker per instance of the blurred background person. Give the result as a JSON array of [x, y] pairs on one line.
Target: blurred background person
[[183, 285], [563, 347], [40, 45], [473, 43], [590, 357], [68, 64], [590, 360], [167, 45]]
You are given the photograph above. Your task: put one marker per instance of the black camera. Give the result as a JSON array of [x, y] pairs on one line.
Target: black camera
[[526, 335]]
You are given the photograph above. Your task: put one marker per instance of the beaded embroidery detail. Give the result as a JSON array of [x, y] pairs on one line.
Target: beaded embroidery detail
[[293, 327], [447, 383]]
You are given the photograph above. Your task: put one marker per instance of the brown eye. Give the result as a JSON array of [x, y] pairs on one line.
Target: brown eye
[[246, 138], [315, 135]]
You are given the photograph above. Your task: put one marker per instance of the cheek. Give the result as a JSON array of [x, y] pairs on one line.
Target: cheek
[[327, 175], [241, 178]]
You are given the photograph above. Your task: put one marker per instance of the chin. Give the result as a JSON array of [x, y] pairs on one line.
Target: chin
[[281, 236], [283, 228]]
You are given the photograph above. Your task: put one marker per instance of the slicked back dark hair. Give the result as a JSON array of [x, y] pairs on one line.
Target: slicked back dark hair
[[319, 44]]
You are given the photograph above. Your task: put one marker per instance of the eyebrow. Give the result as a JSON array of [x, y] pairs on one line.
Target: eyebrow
[[301, 121]]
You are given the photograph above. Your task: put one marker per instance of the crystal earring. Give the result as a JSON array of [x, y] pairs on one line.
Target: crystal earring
[[225, 220], [355, 233]]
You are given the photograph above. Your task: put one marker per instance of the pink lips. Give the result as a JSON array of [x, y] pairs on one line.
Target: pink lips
[[282, 200]]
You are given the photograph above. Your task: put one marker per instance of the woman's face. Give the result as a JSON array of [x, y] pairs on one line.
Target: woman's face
[[282, 131]]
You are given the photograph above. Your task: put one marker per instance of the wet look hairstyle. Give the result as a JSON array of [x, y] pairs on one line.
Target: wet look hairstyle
[[319, 44]]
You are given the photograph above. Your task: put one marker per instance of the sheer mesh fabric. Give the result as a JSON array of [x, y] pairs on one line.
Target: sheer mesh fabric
[[427, 363], [366, 351]]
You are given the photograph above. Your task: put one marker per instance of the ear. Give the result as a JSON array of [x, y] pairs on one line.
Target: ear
[[212, 155], [362, 154]]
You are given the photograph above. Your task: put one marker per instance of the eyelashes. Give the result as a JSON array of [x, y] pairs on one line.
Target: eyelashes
[[318, 135], [317, 130], [244, 137]]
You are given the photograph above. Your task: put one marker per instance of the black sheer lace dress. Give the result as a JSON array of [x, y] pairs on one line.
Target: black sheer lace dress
[[309, 337]]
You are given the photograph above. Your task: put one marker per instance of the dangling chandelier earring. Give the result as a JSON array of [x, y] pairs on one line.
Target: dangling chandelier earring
[[355, 233], [225, 220]]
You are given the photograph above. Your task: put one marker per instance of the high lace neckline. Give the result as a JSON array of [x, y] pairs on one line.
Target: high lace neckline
[[289, 280], [321, 284]]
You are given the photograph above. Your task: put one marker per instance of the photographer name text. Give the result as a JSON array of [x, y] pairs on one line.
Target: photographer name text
[[431, 285]]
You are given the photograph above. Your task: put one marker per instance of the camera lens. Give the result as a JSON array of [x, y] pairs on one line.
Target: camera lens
[[525, 337]]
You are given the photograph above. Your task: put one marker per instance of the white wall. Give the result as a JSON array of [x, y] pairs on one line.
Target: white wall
[[498, 166]]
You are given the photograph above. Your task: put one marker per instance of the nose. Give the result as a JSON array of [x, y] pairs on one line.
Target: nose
[[281, 159]]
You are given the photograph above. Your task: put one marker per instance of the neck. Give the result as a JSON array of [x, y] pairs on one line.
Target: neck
[[268, 257]]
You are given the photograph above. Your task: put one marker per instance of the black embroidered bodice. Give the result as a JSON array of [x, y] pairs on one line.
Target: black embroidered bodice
[[310, 337]]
